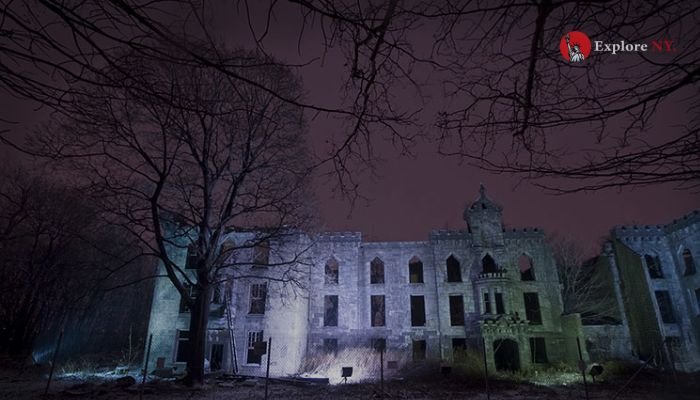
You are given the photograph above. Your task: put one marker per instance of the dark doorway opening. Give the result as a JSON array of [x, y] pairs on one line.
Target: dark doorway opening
[[216, 362], [506, 355]]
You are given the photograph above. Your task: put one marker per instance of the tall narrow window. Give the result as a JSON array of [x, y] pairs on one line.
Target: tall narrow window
[[415, 270], [527, 272], [376, 271], [377, 310], [419, 350], [454, 270], [258, 294], [689, 262], [538, 350], [488, 265], [500, 308], [456, 310], [192, 257], [487, 303], [183, 346], [184, 306], [697, 297], [261, 254], [331, 314], [417, 311], [654, 267], [256, 347], [332, 271], [663, 299], [218, 295], [532, 308]]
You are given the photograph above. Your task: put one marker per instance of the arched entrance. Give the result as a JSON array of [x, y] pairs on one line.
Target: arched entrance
[[506, 355]]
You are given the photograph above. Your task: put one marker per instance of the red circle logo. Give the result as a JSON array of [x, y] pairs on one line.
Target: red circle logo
[[575, 47]]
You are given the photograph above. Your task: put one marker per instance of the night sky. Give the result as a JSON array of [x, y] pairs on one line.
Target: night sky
[[408, 196]]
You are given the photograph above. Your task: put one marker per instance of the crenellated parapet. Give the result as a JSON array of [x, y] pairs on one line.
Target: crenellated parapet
[[339, 236]]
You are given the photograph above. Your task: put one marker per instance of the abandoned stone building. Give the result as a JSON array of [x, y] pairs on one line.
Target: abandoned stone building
[[657, 287], [422, 300]]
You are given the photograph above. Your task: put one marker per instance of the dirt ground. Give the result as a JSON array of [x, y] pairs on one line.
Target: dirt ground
[[30, 383]]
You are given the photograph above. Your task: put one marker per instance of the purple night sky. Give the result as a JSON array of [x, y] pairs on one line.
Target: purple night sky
[[411, 195]]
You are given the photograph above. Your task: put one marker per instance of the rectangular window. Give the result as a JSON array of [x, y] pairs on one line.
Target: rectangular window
[[377, 309], [261, 254], [459, 349], [419, 350], [258, 294], [330, 317], [217, 296], [417, 311], [183, 346], [256, 347], [663, 299], [415, 272], [330, 346], [184, 307], [487, 304], [697, 298], [332, 272], [216, 358], [379, 344], [538, 350], [192, 258], [456, 310], [532, 308], [500, 309]]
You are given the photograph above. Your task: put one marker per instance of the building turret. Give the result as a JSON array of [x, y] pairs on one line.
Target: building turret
[[485, 220]]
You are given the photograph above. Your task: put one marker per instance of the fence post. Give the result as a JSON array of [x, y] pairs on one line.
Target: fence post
[[145, 364], [53, 362], [486, 370], [267, 373], [381, 370], [582, 366]]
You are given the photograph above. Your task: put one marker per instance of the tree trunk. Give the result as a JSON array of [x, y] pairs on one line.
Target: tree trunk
[[199, 321]]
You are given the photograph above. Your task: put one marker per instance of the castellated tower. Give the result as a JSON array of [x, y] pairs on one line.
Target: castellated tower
[[485, 220]]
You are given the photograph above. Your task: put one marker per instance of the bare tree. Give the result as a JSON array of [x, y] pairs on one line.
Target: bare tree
[[587, 286], [513, 103], [181, 155], [53, 265]]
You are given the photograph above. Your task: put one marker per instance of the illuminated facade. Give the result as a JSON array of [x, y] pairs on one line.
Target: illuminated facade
[[422, 300]]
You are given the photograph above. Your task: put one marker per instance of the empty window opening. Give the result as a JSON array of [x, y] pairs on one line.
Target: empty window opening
[[415, 270], [532, 308], [192, 257], [261, 254], [258, 294], [419, 350], [527, 272], [697, 298], [663, 299], [184, 305], [332, 271], [417, 311], [456, 310], [487, 303], [376, 271], [183, 346], [218, 295], [216, 357], [459, 349], [506, 355], [377, 309], [500, 308], [379, 344], [330, 346], [256, 347], [488, 265], [689, 262], [654, 267], [454, 270], [538, 350], [330, 317]]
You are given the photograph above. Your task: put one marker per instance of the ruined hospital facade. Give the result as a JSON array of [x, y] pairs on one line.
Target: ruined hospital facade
[[484, 285]]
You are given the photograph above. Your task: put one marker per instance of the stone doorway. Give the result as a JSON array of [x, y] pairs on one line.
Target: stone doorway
[[506, 355]]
